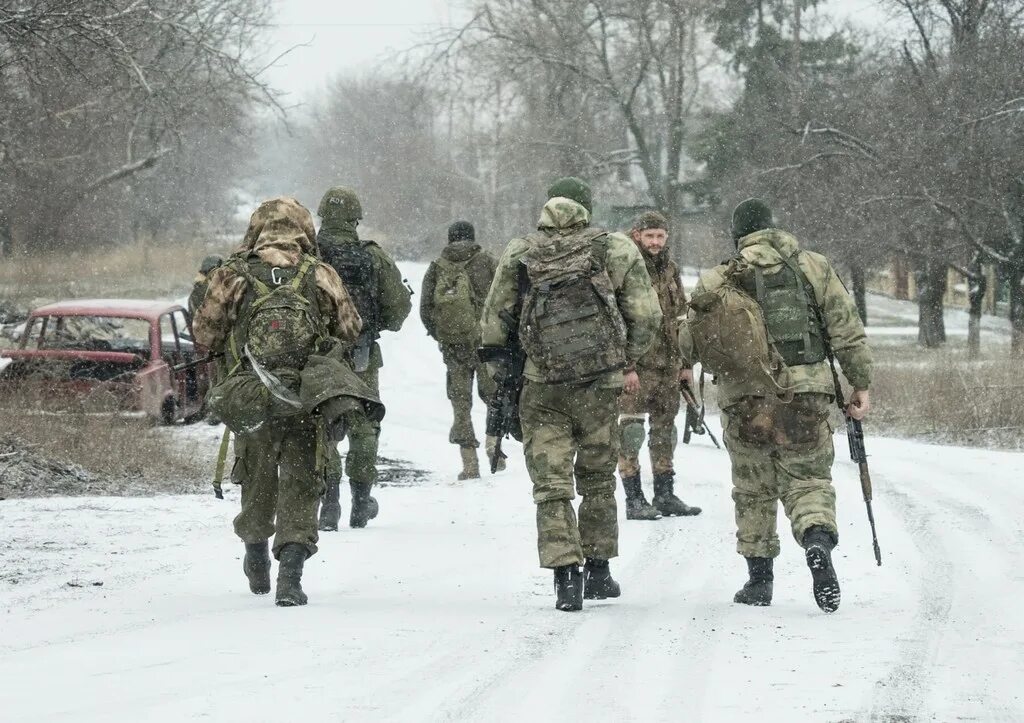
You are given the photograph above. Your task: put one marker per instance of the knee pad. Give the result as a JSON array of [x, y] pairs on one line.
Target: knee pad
[[631, 434]]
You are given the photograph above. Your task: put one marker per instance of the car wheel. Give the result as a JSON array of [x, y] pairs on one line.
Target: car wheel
[[168, 411]]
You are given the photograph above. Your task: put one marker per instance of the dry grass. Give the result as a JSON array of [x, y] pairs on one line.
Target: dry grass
[[126, 455], [142, 270], [942, 397]]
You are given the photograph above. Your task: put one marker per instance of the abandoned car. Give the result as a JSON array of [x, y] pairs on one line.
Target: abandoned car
[[109, 355]]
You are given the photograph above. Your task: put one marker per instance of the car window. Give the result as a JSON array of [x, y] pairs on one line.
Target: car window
[[30, 334], [97, 333], [168, 339], [184, 331]]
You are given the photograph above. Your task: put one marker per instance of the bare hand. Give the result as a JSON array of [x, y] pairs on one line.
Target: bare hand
[[860, 405], [631, 382], [686, 375]]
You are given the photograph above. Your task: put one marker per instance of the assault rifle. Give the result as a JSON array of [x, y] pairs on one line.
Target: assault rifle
[[184, 366], [694, 423], [503, 408], [855, 436]]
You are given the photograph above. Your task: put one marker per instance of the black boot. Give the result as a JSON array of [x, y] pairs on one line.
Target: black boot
[[568, 588], [665, 500], [597, 580], [757, 590], [364, 507], [256, 566], [818, 545], [289, 575], [637, 507], [330, 508]]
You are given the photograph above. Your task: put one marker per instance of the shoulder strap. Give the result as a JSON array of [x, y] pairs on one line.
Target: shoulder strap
[[242, 267]]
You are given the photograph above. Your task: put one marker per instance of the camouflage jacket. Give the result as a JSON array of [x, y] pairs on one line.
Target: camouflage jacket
[[842, 322], [637, 301], [664, 352], [480, 267], [280, 232]]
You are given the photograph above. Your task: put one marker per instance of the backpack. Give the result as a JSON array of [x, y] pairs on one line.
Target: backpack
[[570, 325], [278, 328], [456, 319], [354, 263]]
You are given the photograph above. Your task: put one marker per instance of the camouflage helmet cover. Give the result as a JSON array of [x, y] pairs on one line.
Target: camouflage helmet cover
[[340, 202]]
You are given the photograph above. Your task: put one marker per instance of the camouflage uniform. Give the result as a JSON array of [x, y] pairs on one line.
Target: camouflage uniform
[[339, 226], [779, 450], [569, 430], [658, 370], [277, 467], [461, 361]]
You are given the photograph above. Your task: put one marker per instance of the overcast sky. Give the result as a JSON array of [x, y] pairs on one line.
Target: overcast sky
[[354, 35]]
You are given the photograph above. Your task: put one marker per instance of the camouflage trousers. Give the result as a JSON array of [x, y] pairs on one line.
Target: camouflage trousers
[[462, 364], [281, 486], [571, 443], [658, 398], [363, 438], [780, 452]]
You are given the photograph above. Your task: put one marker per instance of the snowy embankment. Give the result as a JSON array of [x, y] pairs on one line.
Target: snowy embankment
[[437, 611]]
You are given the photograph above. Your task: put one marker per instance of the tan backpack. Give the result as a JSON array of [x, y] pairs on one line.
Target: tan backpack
[[731, 339]]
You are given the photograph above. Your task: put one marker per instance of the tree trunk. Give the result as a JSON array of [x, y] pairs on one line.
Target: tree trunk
[[977, 285], [931, 290], [860, 291], [1017, 311]]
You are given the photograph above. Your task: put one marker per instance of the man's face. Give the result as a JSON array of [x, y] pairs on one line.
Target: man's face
[[652, 240]]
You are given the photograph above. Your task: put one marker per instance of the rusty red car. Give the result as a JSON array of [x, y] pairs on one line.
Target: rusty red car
[[109, 355]]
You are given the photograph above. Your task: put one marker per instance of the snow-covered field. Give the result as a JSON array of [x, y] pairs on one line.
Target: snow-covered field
[[438, 611]]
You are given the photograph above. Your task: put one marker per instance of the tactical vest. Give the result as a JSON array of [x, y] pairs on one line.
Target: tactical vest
[[570, 326], [354, 263], [790, 311]]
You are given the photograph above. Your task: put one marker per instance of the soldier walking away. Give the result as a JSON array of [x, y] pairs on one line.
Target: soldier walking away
[[268, 309], [375, 285], [580, 300], [776, 388], [652, 384], [202, 282], [454, 289]]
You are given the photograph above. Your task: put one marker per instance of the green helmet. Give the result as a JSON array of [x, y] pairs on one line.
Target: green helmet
[[340, 203], [749, 217], [575, 189]]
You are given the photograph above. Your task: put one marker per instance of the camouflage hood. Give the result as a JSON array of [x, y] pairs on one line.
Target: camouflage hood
[[281, 230], [768, 247], [563, 215], [460, 251]]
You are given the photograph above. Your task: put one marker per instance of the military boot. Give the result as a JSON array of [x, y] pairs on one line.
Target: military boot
[[364, 507], [490, 445], [757, 590], [256, 566], [818, 545], [330, 508], [597, 580], [470, 464], [568, 588], [637, 506], [289, 575], [665, 500]]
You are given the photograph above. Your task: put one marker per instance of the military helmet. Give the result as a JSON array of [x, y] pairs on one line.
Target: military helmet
[[575, 189], [750, 216], [210, 263], [650, 219], [342, 203]]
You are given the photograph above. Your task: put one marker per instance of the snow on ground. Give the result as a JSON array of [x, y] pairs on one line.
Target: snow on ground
[[438, 611]]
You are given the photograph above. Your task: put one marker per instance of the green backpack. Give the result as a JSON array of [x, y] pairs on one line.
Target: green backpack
[[570, 326], [278, 328], [456, 317]]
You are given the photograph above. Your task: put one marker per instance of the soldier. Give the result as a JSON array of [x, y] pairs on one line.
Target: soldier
[[454, 289], [278, 462], [202, 282], [652, 385], [383, 301], [581, 301], [776, 424]]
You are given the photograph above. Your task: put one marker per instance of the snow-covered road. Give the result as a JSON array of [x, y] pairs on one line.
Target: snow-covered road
[[437, 611]]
